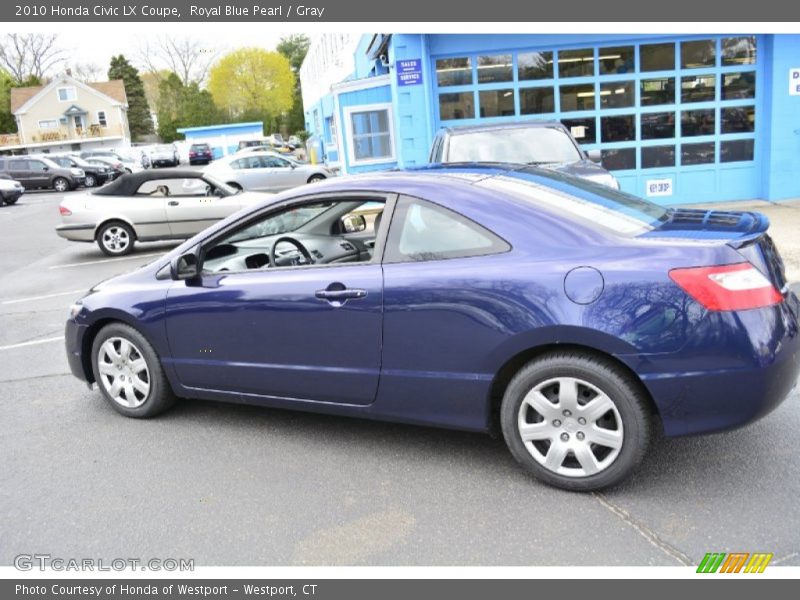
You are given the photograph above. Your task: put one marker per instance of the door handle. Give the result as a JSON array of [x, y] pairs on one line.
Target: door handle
[[340, 295], [173, 203]]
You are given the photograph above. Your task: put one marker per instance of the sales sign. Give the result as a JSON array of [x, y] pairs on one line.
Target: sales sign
[[794, 82], [409, 72]]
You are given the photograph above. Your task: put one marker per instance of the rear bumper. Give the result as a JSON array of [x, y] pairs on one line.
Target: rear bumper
[[73, 339], [753, 368], [83, 232]]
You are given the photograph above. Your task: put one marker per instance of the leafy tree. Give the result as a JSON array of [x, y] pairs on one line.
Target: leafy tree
[[295, 48], [253, 83], [182, 105], [8, 124], [139, 119]]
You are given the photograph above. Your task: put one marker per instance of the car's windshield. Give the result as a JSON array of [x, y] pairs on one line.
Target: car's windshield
[[528, 145], [618, 211]]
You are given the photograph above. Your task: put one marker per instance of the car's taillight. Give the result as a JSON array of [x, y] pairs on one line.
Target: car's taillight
[[727, 287], [65, 212]]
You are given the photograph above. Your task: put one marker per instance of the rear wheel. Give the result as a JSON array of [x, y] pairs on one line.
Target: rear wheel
[[129, 373], [60, 184], [576, 421], [115, 239], [90, 181], [316, 178]]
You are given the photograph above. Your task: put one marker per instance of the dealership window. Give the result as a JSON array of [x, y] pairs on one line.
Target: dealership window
[[698, 53], [658, 125], [619, 159], [67, 94], [577, 97], [657, 57], [739, 51], [617, 94], [460, 105], [697, 154], [739, 85], [48, 124], [698, 88], [534, 65], [738, 119], [697, 122], [576, 63], [371, 135], [537, 100], [493, 69], [101, 118], [583, 130], [656, 91], [619, 128], [654, 157], [736, 150], [453, 71], [497, 103], [616, 60]]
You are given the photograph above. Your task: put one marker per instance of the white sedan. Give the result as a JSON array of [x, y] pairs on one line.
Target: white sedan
[[266, 172], [148, 206]]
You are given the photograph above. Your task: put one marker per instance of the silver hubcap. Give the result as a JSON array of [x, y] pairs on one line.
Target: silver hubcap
[[116, 239], [570, 427], [123, 372], [61, 186]]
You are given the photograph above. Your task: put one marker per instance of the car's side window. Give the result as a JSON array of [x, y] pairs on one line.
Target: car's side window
[[423, 231], [175, 187], [36, 165], [322, 232]]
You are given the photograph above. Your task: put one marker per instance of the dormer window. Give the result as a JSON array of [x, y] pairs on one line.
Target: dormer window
[[67, 94]]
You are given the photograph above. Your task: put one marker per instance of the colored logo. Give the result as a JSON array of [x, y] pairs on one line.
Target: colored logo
[[735, 562]]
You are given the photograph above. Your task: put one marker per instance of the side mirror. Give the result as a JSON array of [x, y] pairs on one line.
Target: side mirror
[[354, 223], [186, 266], [595, 155]]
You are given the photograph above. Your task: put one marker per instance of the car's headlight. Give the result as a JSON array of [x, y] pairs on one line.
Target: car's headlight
[[75, 309], [77, 172]]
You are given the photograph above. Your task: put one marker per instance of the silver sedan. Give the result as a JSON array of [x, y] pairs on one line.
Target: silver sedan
[[148, 206], [266, 171]]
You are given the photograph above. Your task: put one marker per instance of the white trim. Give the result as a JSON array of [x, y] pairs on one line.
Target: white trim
[[354, 85], [348, 113], [62, 82]]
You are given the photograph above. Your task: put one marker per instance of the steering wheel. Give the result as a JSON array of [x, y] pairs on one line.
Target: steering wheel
[[297, 244]]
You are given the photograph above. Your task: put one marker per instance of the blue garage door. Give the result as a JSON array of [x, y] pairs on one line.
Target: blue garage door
[[675, 118]]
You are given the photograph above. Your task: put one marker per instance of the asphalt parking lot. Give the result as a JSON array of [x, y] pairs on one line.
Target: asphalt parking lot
[[236, 485]]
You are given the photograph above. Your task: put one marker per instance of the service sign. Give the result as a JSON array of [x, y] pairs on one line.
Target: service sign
[[659, 187], [409, 72], [794, 82]]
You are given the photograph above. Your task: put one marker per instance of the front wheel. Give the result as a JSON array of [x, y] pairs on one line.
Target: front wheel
[[60, 185], [576, 421], [115, 239], [90, 181], [129, 373]]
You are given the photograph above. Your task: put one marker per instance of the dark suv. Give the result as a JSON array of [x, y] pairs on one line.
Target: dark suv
[[543, 143], [40, 173], [95, 174], [200, 154]]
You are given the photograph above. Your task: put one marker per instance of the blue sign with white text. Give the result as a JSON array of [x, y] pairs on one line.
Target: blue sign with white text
[[409, 72]]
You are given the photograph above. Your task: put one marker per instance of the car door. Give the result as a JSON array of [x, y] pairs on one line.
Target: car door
[[18, 169], [39, 173], [282, 174], [190, 209], [306, 333]]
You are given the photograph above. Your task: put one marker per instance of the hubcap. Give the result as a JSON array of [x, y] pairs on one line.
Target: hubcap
[[116, 239], [570, 426], [123, 372], [61, 186]]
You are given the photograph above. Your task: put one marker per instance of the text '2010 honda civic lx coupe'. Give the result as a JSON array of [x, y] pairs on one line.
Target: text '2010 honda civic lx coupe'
[[576, 319]]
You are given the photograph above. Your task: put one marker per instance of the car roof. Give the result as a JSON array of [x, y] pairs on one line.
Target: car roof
[[533, 123], [129, 183]]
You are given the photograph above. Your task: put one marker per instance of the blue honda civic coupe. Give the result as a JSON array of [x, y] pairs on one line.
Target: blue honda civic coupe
[[578, 320]]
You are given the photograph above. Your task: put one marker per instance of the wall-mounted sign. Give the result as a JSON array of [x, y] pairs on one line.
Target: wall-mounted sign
[[794, 82], [409, 72], [659, 187]]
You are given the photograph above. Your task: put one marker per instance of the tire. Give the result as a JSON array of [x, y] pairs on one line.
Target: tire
[[589, 452], [90, 181], [316, 178], [128, 372], [61, 185], [116, 239]]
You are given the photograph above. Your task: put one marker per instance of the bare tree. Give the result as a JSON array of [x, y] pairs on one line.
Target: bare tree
[[187, 57], [26, 55], [87, 72]]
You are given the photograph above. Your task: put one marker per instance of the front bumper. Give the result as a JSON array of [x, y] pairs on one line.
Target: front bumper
[[753, 368], [73, 339], [12, 195]]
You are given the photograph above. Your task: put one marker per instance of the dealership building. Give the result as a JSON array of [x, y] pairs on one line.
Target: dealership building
[[679, 119]]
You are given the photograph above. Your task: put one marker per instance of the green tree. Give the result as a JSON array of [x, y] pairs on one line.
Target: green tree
[[182, 105], [295, 48], [252, 83], [139, 119], [8, 124]]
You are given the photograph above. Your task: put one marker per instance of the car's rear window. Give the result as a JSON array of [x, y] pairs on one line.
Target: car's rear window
[[582, 199], [526, 145]]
